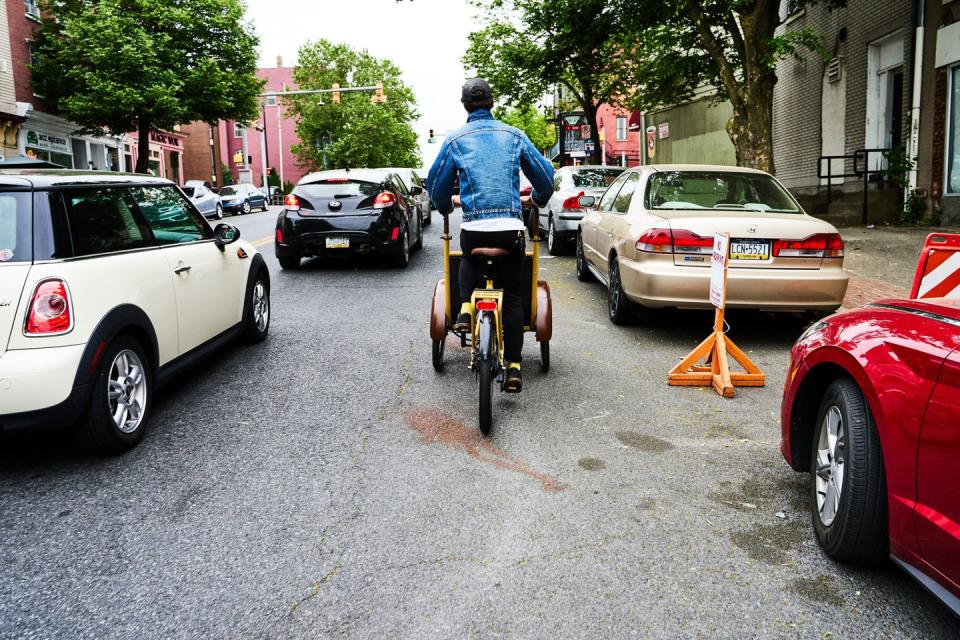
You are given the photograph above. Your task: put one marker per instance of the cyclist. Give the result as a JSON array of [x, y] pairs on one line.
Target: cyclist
[[488, 156]]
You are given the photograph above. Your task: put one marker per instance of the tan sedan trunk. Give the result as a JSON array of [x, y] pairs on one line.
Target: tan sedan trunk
[[754, 228]]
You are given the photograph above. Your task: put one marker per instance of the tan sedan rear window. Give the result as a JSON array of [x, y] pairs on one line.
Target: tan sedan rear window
[[719, 190]]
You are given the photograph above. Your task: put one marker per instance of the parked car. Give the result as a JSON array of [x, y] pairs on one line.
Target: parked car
[[242, 198], [332, 213], [870, 410], [202, 196], [418, 191], [649, 239], [105, 296], [561, 217]]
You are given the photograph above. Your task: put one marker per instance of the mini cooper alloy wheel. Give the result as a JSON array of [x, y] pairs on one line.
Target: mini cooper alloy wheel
[[127, 391], [261, 306]]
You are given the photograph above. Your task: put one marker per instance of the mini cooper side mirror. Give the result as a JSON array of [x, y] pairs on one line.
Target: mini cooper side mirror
[[587, 202], [224, 234]]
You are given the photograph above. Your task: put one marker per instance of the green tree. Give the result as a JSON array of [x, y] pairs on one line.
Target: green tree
[[526, 47], [355, 132], [114, 66], [679, 46], [531, 121]]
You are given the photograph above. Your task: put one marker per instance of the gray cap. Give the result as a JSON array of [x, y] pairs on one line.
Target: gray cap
[[476, 90]]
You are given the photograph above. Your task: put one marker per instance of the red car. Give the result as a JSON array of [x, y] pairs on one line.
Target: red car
[[871, 409]]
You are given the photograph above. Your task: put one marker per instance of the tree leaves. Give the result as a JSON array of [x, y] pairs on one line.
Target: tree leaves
[[355, 133], [108, 64]]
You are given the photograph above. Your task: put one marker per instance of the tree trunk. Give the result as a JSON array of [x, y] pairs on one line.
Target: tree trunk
[[751, 127], [143, 145], [590, 113]]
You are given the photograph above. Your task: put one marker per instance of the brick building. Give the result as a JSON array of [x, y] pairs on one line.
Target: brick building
[[939, 133], [620, 141], [279, 132], [45, 134], [856, 101], [201, 153]]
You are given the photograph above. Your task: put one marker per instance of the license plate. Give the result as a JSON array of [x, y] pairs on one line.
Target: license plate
[[338, 242], [749, 250]]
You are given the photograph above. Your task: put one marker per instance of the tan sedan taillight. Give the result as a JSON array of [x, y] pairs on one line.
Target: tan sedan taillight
[[821, 245], [666, 241]]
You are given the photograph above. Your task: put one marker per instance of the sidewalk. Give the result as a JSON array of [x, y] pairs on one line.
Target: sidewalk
[[881, 262]]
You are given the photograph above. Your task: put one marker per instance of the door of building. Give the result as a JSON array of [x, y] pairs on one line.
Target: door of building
[[884, 96]]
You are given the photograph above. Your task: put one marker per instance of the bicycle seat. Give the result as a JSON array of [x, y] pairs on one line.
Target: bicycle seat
[[489, 252]]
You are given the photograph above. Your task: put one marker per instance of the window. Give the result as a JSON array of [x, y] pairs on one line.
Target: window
[[595, 178], [102, 221], [718, 190], [791, 8], [606, 202], [238, 129], [32, 8], [953, 133], [169, 216], [400, 185], [621, 127], [622, 203], [15, 226]]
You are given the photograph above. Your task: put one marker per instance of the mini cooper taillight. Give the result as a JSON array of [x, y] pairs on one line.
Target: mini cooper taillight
[[49, 311], [384, 200]]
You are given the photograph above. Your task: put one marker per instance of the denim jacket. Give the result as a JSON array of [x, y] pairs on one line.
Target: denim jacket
[[488, 155]]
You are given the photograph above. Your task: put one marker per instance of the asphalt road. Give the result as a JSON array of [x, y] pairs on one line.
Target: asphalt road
[[328, 483]]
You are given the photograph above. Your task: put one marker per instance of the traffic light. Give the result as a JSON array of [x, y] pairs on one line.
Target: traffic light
[[430, 139], [335, 98], [378, 96]]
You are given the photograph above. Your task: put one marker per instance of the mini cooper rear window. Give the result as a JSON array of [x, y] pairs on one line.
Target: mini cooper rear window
[[15, 227], [718, 190], [340, 189]]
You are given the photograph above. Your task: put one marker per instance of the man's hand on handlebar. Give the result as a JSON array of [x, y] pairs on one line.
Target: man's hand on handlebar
[[456, 201], [526, 200]]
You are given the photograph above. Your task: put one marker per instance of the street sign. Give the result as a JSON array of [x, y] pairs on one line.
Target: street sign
[[588, 146], [718, 270]]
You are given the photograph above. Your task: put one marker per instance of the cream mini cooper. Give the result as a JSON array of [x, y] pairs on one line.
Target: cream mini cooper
[[111, 285]]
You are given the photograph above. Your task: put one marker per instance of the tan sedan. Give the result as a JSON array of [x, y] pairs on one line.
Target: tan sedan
[[650, 236]]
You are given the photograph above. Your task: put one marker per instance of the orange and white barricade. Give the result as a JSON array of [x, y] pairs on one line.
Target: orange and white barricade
[[938, 271]]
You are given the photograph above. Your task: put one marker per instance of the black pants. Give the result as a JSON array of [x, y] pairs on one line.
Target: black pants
[[509, 277]]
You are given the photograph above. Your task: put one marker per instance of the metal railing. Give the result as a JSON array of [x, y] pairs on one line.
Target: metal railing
[[860, 167]]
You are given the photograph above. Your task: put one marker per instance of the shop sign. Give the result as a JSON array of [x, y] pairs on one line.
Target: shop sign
[[165, 138], [48, 142], [651, 142]]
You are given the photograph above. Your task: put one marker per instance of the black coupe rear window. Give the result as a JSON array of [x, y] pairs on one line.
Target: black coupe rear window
[[334, 189]]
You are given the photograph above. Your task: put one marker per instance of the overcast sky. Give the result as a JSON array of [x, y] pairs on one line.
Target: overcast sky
[[425, 38]]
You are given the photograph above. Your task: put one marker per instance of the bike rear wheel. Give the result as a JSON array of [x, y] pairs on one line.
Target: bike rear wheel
[[486, 388]]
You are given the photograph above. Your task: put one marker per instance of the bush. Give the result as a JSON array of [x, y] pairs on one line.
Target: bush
[[913, 210]]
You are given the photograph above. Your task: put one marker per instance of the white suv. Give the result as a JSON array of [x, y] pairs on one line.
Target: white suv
[[111, 285]]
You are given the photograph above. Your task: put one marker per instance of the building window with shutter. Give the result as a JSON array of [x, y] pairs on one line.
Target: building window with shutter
[[621, 128], [32, 8], [237, 130], [953, 133]]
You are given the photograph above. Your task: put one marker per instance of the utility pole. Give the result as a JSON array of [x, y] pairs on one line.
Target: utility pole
[[245, 174]]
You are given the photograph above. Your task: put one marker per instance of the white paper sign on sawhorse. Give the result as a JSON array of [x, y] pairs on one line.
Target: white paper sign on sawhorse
[[715, 371]]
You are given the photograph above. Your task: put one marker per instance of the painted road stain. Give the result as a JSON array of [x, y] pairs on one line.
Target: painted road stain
[[435, 426], [643, 442], [592, 464]]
